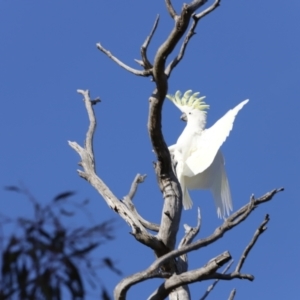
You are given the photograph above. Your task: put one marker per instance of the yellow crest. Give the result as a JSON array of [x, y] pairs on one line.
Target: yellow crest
[[188, 99]]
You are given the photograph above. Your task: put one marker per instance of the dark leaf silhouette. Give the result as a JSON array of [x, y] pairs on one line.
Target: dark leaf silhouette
[[108, 263], [85, 250], [105, 295], [74, 281], [13, 188], [67, 213], [44, 233], [64, 196], [46, 257]]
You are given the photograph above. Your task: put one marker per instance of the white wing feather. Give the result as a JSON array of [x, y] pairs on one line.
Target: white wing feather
[[220, 189], [178, 158], [214, 178], [211, 140]]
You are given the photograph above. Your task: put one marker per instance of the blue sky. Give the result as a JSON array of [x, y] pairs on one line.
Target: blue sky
[[243, 50]]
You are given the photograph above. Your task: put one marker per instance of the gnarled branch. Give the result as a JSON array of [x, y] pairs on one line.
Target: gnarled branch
[[89, 173], [128, 201], [212, 286], [228, 224], [189, 35], [167, 181], [144, 73], [145, 62], [170, 264], [190, 276]]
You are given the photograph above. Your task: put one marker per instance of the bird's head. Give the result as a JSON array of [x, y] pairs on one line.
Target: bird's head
[[193, 108]]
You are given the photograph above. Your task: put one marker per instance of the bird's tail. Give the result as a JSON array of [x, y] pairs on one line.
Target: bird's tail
[[221, 193]]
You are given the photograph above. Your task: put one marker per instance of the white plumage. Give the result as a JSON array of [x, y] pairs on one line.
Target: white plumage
[[199, 161]]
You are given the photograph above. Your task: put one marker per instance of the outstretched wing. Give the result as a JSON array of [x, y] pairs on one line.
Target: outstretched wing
[[211, 140], [220, 188]]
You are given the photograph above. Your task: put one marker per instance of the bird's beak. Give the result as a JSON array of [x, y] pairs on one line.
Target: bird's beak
[[183, 117]]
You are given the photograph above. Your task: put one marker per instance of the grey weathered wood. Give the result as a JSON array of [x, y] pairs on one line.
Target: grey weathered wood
[[170, 264]]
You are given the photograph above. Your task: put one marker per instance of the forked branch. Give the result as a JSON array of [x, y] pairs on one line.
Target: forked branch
[[164, 242], [212, 286], [128, 200], [144, 73], [167, 181], [262, 228], [171, 9], [89, 173], [191, 276], [190, 232], [237, 272], [209, 271], [228, 224], [189, 35], [145, 62]]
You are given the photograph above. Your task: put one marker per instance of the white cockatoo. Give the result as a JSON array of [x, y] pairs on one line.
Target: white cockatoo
[[199, 161]]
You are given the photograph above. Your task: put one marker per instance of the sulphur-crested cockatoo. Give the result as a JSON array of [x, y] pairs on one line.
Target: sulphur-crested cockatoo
[[199, 161]]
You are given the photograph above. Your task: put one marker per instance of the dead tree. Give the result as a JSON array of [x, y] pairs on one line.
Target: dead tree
[[170, 263]]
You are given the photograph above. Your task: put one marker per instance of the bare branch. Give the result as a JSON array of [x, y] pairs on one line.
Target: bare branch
[[144, 73], [235, 217], [89, 174], [167, 181], [232, 294], [120, 293], [262, 228], [170, 264], [173, 282], [181, 53], [194, 5], [138, 179], [128, 201], [190, 232], [208, 10], [236, 273], [189, 35], [191, 276], [140, 62], [171, 9], [228, 224], [145, 62], [183, 291], [93, 123], [233, 275], [148, 225], [212, 286]]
